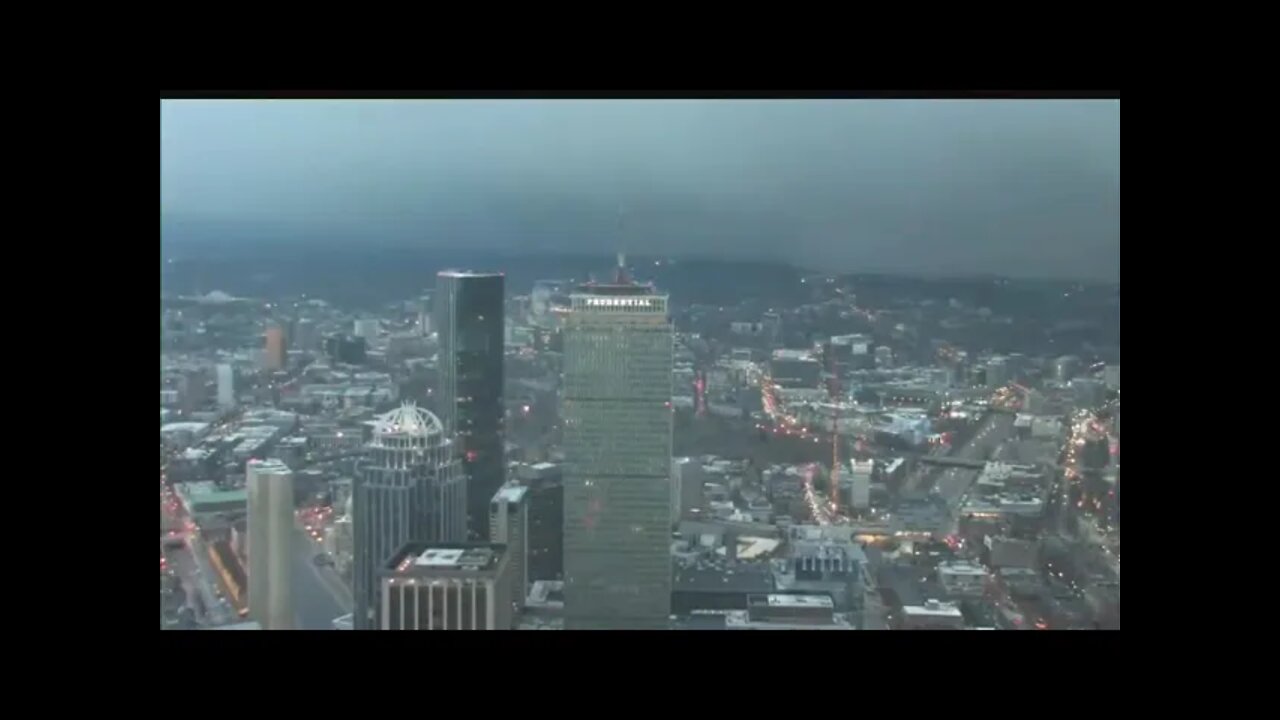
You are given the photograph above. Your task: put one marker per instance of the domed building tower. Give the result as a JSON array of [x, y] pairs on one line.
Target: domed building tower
[[408, 486]]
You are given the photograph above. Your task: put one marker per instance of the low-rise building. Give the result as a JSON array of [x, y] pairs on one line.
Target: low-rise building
[[1022, 425], [1046, 427], [1007, 552], [933, 615], [204, 498], [826, 560], [794, 368], [179, 435], [1088, 392], [546, 597], [1005, 477], [778, 611], [962, 579], [286, 422], [860, 472], [250, 625], [718, 584], [797, 609], [1004, 507], [253, 440], [1111, 376], [447, 586], [688, 477]]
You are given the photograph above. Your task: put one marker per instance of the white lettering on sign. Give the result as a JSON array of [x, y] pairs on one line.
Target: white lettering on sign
[[621, 302]]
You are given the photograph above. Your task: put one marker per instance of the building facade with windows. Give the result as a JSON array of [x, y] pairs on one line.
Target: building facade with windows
[[447, 586], [408, 486], [616, 406], [509, 526], [469, 311], [270, 524]]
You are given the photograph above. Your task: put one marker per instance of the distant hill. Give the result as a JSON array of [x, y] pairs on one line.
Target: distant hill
[[374, 276]]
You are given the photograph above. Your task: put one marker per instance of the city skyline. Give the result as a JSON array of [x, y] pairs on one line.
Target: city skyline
[[978, 419], [823, 385]]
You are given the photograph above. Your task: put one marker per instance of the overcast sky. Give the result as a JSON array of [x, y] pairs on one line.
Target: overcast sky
[[1021, 188]]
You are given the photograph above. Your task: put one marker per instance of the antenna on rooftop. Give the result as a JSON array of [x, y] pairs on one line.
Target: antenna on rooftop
[[620, 276]]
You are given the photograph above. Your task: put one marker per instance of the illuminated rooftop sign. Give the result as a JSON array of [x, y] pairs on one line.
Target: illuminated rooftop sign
[[621, 302]]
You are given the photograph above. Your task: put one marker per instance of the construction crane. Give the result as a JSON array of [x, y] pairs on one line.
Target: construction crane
[[700, 393], [833, 394]]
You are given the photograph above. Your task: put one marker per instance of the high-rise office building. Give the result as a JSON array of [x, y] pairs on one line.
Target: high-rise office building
[[1035, 402], [407, 486], [997, 372], [860, 483], [546, 520], [616, 406], [884, 357], [1089, 392], [304, 334], [193, 390], [346, 349], [1111, 375], [1065, 368], [446, 586], [509, 525], [226, 386], [275, 353], [1017, 364], [424, 315], [270, 488], [366, 328], [689, 480], [469, 322]]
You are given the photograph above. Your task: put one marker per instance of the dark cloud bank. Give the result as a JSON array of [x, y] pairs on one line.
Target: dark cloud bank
[[1019, 188]]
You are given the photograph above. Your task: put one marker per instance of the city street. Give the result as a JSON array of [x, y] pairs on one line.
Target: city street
[[952, 484], [319, 595], [1081, 519], [219, 609], [995, 430], [198, 581], [191, 563]]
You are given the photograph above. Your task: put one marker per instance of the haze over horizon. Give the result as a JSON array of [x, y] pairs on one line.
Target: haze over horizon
[[1023, 188]]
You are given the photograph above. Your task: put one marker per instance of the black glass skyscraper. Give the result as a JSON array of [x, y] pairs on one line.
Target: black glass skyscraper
[[469, 319]]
